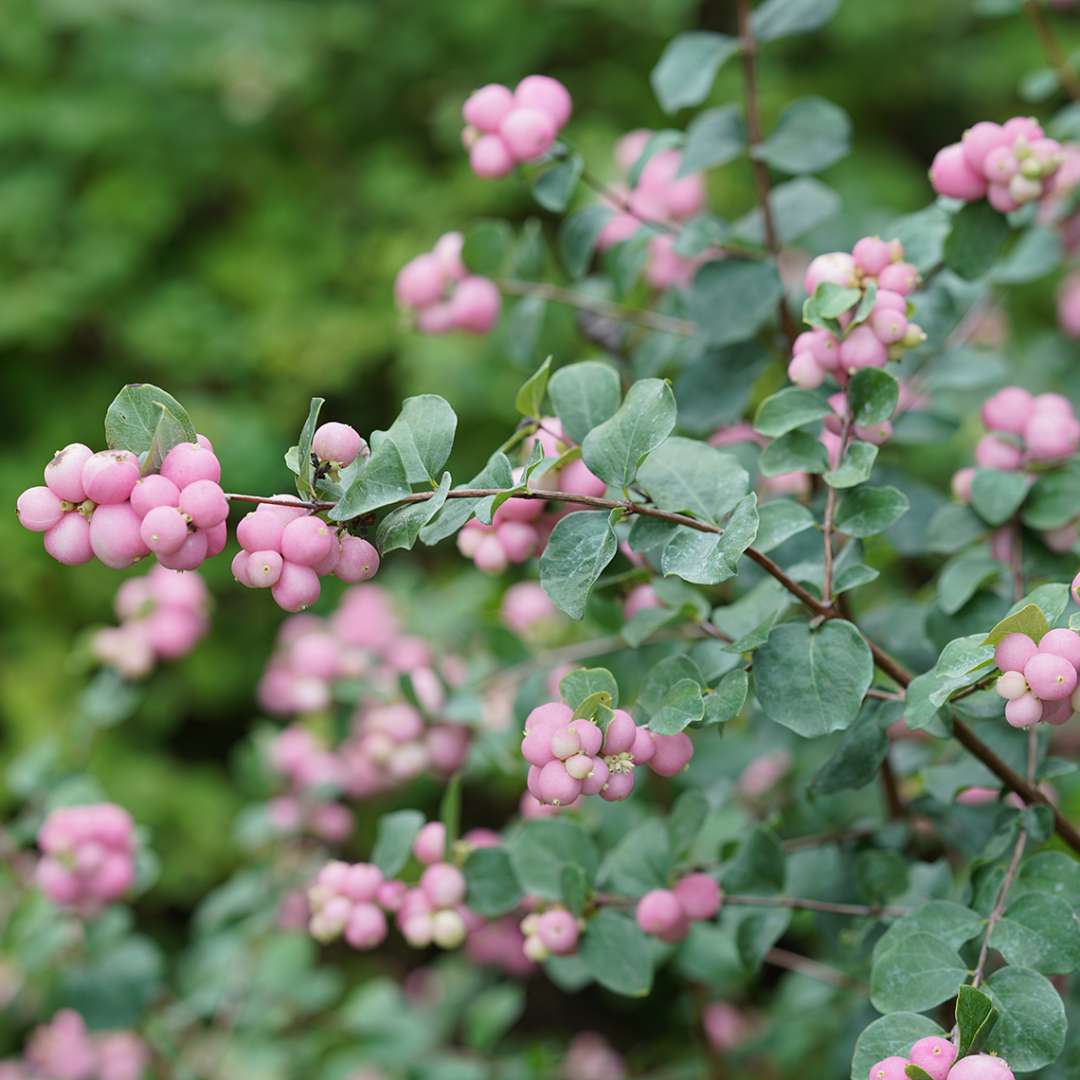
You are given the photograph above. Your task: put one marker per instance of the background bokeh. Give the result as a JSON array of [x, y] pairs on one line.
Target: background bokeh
[[215, 197]]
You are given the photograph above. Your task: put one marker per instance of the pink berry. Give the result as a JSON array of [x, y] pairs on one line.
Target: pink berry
[[114, 535], [548, 717], [659, 913], [443, 885], [961, 484], [1014, 651], [1050, 677], [1024, 711], [1008, 410], [491, 158], [1000, 198], [217, 536], [1062, 642], [430, 843], [644, 748], [1000, 165], [889, 326], [485, 108], [297, 588], [475, 305], [597, 778], [589, 735], [890, 1068], [260, 532], [620, 733], [934, 1055], [1011, 685], [994, 453], [861, 349], [109, 476], [952, 175], [699, 896], [187, 462], [153, 490], [887, 300], [871, 255], [673, 753], [263, 569], [420, 282], [899, 277], [565, 743], [366, 927], [556, 786], [558, 930], [804, 371], [527, 132], [982, 138], [204, 503], [190, 555], [358, 560], [546, 94], [1049, 437], [68, 541], [517, 540], [579, 766], [163, 530], [336, 442], [578, 479], [618, 786], [981, 1067], [63, 475], [39, 509], [306, 541], [837, 267]]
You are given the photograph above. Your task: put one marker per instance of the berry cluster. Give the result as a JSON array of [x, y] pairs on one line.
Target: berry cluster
[[97, 505], [885, 332], [89, 856], [442, 293], [552, 932], [1008, 164], [668, 913], [65, 1050], [661, 196], [504, 128], [936, 1056], [1039, 680], [162, 617], [568, 758]]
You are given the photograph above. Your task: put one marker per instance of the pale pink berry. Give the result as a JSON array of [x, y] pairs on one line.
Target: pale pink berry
[[983, 138], [204, 503], [805, 371], [558, 930], [187, 462], [1058, 712], [109, 476], [659, 913], [1011, 685], [1074, 588], [485, 108], [39, 509], [953, 175], [899, 277], [556, 786], [436, 319], [1050, 677], [189, 555], [589, 735], [1000, 165], [981, 1067], [527, 132], [638, 599], [306, 541], [491, 158], [934, 1055], [263, 569], [448, 929], [366, 926], [1050, 437], [336, 442], [699, 895], [621, 729], [420, 282], [1062, 642], [961, 484], [725, 1026], [518, 541], [579, 766], [163, 530], [1014, 651], [549, 717], [565, 743], [114, 535], [1008, 410], [644, 748], [821, 345], [260, 532], [871, 255], [977, 796], [430, 843], [526, 606], [887, 300], [1023, 189], [216, 538], [577, 478], [1000, 198], [297, 588], [837, 267], [994, 453], [448, 250], [1068, 305], [673, 753], [68, 541], [889, 326], [890, 1068], [475, 305], [861, 349], [619, 786], [153, 490], [546, 94], [598, 777], [358, 560], [443, 885], [1024, 711], [63, 475]]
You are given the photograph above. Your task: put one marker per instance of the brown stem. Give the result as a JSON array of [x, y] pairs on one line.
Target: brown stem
[[1052, 49], [891, 788], [754, 137], [813, 969], [799, 843], [608, 309]]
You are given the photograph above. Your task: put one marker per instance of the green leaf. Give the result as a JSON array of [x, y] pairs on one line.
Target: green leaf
[[685, 71], [975, 1018], [681, 706], [782, 18], [708, 558], [997, 495], [114, 989], [731, 299], [647, 622], [592, 707], [662, 677], [582, 683], [813, 681], [728, 699], [614, 449], [779, 520], [132, 419], [1039, 931], [962, 576], [580, 546], [759, 867], [450, 812], [866, 511], [542, 847], [668, 139], [788, 409], [401, 527], [685, 822], [487, 244], [493, 889], [872, 396], [169, 432], [795, 451], [497, 473], [952, 923], [810, 135], [424, 435], [917, 973], [524, 322], [852, 576], [575, 889], [530, 398], [584, 396], [394, 836], [713, 138], [554, 188], [913, 1072], [856, 466], [977, 236], [1037, 253], [1028, 620], [305, 471], [829, 302], [617, 954], [1054, 498], [487, 1018], [797, 207], [578, 235], [858, 755], [690, 477], [1030, 1032], [889, 1036], [959, 665], [380, 481], [639, 862]]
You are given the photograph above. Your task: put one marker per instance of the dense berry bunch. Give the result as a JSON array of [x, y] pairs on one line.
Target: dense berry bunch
[[162, 617], [88, 856], [936, 1056], [442, 293], [504, 128], [64, 1050], [572, 757], [1039, 680], [100, 505], [286, 549], [668, 913], [1008, 164], [662, 196], [869, 337]]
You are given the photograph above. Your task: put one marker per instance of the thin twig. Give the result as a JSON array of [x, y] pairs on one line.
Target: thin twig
[[813, 969], [799, 903], [1052, 49]]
